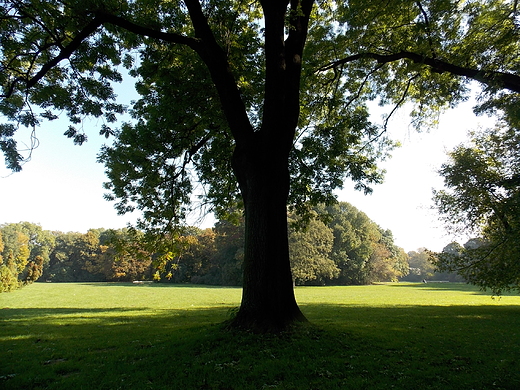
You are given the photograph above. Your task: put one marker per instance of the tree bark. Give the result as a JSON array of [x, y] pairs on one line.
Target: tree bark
[[268, 301]]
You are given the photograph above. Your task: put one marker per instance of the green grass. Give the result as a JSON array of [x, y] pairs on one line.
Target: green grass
[[124, 336]]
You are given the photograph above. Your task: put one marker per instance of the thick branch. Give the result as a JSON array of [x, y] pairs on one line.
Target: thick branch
[[275, 64], [216, 60], [294, 45], [149, 32], [283, 61], [90, 29], [490, 78], [65, 53], [206, 46]]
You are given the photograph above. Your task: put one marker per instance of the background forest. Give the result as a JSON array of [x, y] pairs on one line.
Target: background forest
[[341, 246]]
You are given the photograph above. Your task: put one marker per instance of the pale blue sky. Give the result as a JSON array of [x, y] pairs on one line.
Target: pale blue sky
[[61, 187], [403, 203]]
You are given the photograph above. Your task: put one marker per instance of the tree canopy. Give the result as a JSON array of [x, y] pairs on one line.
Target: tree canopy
[[64, 56], [261, 103]]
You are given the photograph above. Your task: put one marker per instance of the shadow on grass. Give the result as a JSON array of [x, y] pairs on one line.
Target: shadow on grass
[[358, 347]]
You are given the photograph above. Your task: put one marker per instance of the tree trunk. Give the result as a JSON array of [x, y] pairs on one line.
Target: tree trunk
[[268, 302]]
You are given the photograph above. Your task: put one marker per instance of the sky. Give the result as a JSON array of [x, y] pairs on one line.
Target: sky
[[60, 188], [403, 203]]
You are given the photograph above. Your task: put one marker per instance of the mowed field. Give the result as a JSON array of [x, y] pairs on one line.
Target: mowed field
[[159, 336]]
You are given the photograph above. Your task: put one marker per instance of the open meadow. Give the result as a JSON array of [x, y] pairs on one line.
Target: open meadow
[[159, 336]]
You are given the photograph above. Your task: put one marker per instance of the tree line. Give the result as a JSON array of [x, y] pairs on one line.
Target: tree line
[[28, 253], [340, 245]]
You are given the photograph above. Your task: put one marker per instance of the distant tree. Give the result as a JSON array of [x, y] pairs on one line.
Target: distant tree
[[41, 243], [482, 197], [111, 255], [381, 265], [354, 236], [204, 252], [388, 262], [30, 246], [33, 270], [61, 265], [99, 261], [195, 261], [15, 253], [16, 246], [310, 248], [420, 264], [452, 249], [228, 262], [8, 279], [191, 262], [130, 257], [73, 256], [401, 265]]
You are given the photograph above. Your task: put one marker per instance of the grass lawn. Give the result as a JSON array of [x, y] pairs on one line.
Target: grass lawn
[[156, 336]]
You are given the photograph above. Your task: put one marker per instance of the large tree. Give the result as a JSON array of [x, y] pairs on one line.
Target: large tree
[[269, 95]]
